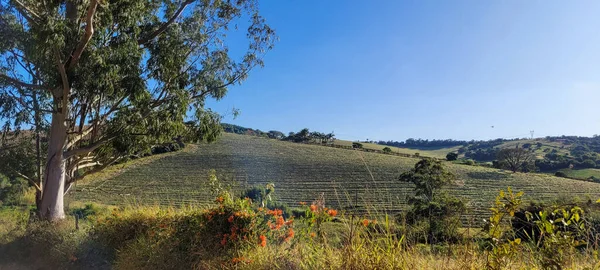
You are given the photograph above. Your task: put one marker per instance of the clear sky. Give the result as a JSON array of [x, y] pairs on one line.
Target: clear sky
[[391, 70]]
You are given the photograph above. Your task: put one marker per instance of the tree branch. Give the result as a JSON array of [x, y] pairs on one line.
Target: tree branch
[[89, 31], [19, 83], [98, 121], [87, 149], [165, 25], [29, 14]]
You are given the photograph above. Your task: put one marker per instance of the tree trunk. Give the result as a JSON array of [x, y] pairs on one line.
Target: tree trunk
[[38, 151], [52, 207]]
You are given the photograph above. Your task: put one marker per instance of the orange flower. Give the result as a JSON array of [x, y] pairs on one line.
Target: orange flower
[[220, 199], [224, 240], [312, 234], [289, 222], [279, 221], [290, 235], [302, 203], [332, 212], [263, 240], [230, 219], [365, 222], [313, 208]]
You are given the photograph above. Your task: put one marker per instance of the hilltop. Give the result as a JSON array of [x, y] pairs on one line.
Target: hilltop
[[301, 172]]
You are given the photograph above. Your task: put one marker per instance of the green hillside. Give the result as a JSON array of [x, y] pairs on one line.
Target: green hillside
[[301, 172], [423, 151]]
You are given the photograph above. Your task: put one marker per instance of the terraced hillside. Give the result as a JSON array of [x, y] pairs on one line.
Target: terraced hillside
[[302, 172]]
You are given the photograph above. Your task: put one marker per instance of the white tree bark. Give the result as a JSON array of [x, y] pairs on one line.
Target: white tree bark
[[52, 205]]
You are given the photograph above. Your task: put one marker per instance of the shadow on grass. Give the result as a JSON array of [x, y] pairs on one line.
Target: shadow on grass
[[35, 252]]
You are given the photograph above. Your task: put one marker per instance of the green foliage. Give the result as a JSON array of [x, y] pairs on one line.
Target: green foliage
[[357, 145], [452, 156], [13, 191], [469, 162], [86, 211], [560, 174], [116, 78], [386, 150], [431, 206], [516, 159], [504, 246]]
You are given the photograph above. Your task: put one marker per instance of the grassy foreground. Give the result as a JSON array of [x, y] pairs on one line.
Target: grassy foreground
[[347, 178], [238, 234]]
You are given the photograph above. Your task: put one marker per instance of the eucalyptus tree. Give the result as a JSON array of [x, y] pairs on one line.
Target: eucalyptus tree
[[110, 77]]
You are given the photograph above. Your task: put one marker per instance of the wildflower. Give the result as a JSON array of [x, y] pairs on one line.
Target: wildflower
[[365, 222], [289, 222], [290, 235], [332, 212], [302, 203], [220, 199], [230, 219], [313, 208], [263, 240], [279, 222], [224, 240], [312, 234]]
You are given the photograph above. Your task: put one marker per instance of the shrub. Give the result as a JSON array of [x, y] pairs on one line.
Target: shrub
[[357, 145], [470, 162], [431, 208], [452, 156], [387, 150], [188, 239], [88, 210], [560, 174]]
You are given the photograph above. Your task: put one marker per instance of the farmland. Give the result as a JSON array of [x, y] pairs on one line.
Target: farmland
[[582, 173], [302, 172], [423, 151]]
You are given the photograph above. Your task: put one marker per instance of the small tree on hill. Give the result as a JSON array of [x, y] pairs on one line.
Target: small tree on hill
[[430, 203], [452, 156], [387, 150], [515, 159]]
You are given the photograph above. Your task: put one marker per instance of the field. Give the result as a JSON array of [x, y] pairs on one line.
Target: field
[[435, 152], [302, 172], [582, 173]]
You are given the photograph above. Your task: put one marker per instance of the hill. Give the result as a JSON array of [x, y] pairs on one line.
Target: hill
[[301, 172]]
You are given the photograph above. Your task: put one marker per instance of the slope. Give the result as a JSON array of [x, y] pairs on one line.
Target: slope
[[302, 172]]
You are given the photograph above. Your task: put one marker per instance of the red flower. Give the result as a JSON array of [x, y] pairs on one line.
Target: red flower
[[332, 212], [313, 208], [230, 219]]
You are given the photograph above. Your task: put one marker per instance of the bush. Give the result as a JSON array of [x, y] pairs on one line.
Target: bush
[[165, 148], [470, 162], [560, 174], [452, 156], [187, 240], [88, 210], [357, 145], [387, 150], [16, 191]]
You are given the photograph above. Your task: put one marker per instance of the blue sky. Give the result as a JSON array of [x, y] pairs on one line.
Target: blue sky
[[391, 70]]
